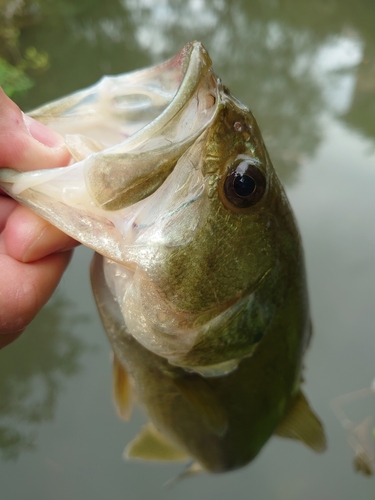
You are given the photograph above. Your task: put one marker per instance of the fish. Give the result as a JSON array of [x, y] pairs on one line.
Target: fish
[[199, 272], [173, 185]]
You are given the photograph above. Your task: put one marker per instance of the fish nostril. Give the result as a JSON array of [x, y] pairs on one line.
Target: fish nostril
[[238, 126]]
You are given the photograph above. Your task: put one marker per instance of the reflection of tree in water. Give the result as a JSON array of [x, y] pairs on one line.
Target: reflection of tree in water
[[275, 57], [245, 40], [357, 20], [361, 114], [275, 44], [270, 44], [32, 373]]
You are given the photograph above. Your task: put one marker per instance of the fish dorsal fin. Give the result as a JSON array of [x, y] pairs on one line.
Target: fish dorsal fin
[[302, 424], [121, 390], [151, 444], [81, 146], [203, 399]]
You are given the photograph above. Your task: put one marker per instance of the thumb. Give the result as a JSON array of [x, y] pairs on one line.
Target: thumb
[[26, 144]]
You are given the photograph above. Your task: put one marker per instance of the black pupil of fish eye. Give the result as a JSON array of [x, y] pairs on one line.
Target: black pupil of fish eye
[[244, 185]]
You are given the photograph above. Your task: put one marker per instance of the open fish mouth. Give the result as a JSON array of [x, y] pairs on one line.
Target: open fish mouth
[[125, 134]]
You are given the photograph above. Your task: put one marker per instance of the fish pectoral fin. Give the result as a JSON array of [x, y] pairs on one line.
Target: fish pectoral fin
[[302, 424], [122, 390], [151, 444], [203, 399]]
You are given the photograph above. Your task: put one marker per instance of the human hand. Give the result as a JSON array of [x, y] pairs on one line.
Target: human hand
[[33, 253]]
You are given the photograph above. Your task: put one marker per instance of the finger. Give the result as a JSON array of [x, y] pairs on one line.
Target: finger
[[28, 237], [8, 338], [27, 144], [25, 288], [7, 205]]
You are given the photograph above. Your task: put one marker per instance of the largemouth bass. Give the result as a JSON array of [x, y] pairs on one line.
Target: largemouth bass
[[173, 185], [199, 273]]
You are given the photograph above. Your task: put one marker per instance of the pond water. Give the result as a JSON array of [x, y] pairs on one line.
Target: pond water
[[307, 71]]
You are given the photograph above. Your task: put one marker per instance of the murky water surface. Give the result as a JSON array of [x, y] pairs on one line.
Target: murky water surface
[[307, 71]]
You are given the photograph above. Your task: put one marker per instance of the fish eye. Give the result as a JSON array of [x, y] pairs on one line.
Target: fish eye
[[245, 184]]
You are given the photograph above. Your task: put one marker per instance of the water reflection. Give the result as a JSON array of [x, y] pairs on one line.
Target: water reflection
[[361, 113], [252, 42], [279, 46], [32, 373]]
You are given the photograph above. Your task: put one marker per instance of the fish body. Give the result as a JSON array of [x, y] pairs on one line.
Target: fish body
[[173, 185], [219, 422]]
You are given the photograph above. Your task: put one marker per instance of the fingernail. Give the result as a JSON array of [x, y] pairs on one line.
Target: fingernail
[[42, 133], [49, 241]]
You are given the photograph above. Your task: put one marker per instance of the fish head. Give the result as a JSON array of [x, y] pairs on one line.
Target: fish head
[[199, 240]]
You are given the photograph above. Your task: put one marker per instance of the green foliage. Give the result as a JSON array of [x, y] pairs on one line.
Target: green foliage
[[13, 80], [17, 65]]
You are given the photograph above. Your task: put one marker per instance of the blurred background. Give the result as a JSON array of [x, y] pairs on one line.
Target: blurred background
[[307, 71]]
